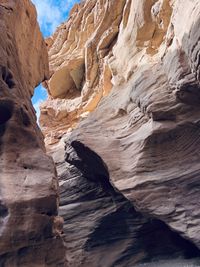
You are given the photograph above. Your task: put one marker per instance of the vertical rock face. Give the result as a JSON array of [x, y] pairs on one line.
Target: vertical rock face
[[28, 185], [79, 70], [129, 172]]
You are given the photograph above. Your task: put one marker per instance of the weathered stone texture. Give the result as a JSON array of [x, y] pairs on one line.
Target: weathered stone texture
[[101, 227], [153, 125], [28, 182], [132, 69]]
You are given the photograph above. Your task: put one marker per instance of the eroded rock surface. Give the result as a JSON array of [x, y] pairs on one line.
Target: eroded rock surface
[[28, 182], [132, 69], [79, 72], [101, 227]]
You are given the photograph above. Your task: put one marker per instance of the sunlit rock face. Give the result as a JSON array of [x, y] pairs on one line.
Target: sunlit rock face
[[80, 74], [124, 83], [28, 183]]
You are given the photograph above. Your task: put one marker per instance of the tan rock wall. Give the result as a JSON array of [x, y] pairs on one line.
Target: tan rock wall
[[138, 108], [28, 182], [147, 129], [80, 74]]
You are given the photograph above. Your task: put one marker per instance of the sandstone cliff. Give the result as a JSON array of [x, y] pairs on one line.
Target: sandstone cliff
[[28, 183], [122, 123]]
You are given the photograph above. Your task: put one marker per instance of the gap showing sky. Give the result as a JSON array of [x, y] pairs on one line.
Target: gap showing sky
[[51, 13]]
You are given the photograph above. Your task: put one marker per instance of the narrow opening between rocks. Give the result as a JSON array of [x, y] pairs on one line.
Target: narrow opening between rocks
[[39, 96]]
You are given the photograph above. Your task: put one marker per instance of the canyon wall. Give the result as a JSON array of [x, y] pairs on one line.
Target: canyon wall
[[28, 181], [122, 124]]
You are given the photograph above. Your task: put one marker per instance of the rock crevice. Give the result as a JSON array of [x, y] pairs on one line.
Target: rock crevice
[[122, 125], [138, 109]]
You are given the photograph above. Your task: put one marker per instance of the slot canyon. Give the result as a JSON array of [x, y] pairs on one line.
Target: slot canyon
[[110, 177]]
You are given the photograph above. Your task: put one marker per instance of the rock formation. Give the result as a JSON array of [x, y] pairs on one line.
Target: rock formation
[[28, 182], [122, 124]]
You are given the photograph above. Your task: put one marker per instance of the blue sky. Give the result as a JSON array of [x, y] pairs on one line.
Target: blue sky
[[51, 13]]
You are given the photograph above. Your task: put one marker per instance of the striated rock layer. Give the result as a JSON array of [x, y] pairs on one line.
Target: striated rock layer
[[28, 182], [101, 227], [124, 95]]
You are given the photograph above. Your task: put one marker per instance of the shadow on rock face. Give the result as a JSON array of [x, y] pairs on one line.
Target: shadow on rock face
[[7, 76], [6, 109], [91, 166], [118, 235]]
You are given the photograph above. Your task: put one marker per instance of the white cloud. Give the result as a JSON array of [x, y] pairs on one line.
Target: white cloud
[[37, 109], [51, 13]]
